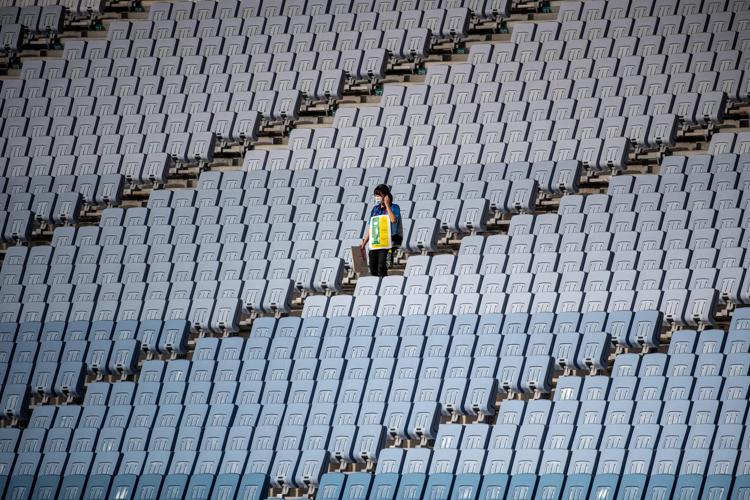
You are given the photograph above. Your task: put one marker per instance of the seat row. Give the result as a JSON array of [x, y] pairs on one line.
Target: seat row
[[680, 306], [133, 114], [531, 59], [47, 19], [444, 23], [712, 362], [530, 67], [35, 142], [86, 111], [24, 174], [553, 176], [60, 305], [67, 381], [244, 9], [636, 95], [209, 39], [350, 180], [152, 260], [329, 210], [185, 278], [470, 142], [281, 224], [272, 105], [647, 247], [654, 372], [489, 329], [160, 253], [210, 249], [581, 85], [491, 112], [315, 407], [568, 118], [727, 142], [41, 367], [170, 263], [678, 55], [642, 8], [466, 479], [670, 217], [676, 184], [553, 437], [378, 357], [277, 207], [79, 143], [357, 64], [638, 26], [704, 208], [152, 486], [709, 163], [70, 174], [549, 156], [101, 469], [704, 46], [45, 207], [722, 195], [512, 129], [154, 336], [729, 280], [104, 153], [182, 148], [75, 7], [708, 240], [57, 70], [127, 81]]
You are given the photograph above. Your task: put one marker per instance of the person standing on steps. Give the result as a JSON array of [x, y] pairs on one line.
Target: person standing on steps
[[378, 258]]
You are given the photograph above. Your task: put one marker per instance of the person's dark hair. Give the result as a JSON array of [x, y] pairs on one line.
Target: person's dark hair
[[384, 190]]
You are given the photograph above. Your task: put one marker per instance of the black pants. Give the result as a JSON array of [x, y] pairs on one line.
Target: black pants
[[378, 262]]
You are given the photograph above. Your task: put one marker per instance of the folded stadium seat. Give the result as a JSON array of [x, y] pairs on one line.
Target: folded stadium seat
[[11, 38], [9, 15], [18, 226], [286, 106], [710, 110], [331, 485]]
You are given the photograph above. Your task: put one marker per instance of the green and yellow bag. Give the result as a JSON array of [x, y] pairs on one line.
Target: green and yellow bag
[[380, 233]]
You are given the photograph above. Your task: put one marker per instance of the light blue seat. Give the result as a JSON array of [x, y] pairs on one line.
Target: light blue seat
[[742, 481], [98, 487], [494, 487], [72, 486], [605, 485], [384, 486], [199, 486], [467, 485], [551, 485], [358, 486], [690, 486], [174, 336], [411, 486], [331, 486], [124, 485], [226, 486], [149, 486], [438, 486], [174, 486], [20, 486], [633, 484]]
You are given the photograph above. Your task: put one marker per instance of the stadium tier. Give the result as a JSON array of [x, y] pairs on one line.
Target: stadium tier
[[184, 188]]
